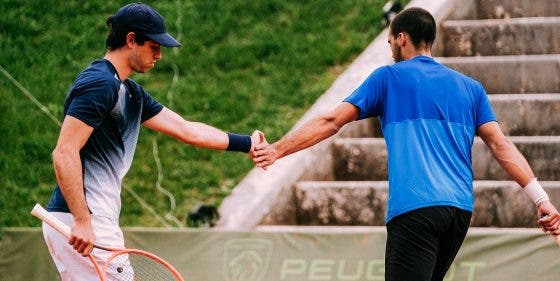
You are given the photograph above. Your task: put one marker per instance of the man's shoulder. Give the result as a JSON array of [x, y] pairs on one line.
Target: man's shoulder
[[468, 81], [381, 72], [453, 72], [97, 74]]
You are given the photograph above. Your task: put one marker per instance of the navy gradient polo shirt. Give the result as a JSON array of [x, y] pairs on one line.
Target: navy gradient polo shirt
[[115, 110], [429, 115]]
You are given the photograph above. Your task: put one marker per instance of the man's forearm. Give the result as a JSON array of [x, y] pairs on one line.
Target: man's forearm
[[306, 136], [513, 162], [202, 135], [68, 170], [193, 133], [309, 134]]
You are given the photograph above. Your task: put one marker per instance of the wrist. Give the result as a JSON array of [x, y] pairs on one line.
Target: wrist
[[239, 142], [82, 220], [278, 150], [535, 191], [82, 217]]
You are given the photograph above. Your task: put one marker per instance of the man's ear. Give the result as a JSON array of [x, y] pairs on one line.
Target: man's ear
[[130, 39], [401, 39]]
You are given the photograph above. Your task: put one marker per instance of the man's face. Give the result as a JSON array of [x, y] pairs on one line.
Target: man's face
[[145, 56], [395, 49]]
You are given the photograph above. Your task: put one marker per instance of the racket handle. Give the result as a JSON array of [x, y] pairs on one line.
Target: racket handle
[[51, 220]]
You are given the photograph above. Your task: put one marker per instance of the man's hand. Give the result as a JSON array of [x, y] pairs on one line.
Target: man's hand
[[549, 218], [265, 155], [257, 139], [82, 238]]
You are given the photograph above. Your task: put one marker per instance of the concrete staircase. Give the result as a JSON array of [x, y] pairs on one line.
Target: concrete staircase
[[513, 48]]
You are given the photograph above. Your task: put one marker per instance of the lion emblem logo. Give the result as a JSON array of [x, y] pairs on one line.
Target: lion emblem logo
[[246, 259]]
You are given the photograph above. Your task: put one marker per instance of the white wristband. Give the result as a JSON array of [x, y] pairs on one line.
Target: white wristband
[[536, 192]]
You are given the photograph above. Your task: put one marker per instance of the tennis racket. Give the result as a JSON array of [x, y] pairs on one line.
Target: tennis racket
[[122, 264]]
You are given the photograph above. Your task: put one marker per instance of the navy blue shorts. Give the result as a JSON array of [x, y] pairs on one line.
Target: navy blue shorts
[[422, 244]]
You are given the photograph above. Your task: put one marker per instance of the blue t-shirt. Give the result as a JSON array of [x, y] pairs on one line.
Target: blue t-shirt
[[429, 114], [115, 110]]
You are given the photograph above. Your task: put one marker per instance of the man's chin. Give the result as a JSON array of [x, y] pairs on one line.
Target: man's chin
[[144, 70]]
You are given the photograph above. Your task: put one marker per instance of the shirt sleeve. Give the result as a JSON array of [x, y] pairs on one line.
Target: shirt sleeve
[[484, 112], [91, 104], [369, 96], [150, 107]]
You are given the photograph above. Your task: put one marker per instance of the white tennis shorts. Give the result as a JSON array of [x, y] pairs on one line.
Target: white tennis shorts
[[71, 265]]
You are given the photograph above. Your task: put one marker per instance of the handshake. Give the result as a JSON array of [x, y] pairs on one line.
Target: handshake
[[262, 153]]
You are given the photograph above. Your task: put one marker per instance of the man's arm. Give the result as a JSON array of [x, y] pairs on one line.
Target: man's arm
[[195, 133], [68, 169], [311, 133], [515, 165], [513, 162]]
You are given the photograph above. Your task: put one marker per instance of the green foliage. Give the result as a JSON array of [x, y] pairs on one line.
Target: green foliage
[[243, 65]]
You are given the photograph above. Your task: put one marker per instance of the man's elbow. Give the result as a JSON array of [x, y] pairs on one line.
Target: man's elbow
[[56, 154], [61, 154], [331, 124], [334, 128], [502, 144]]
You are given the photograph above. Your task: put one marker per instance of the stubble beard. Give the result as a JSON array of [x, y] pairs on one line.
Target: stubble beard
[[397, 55]]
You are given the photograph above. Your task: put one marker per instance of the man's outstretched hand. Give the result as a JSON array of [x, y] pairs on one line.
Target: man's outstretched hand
[[265, 154], [257, 139]]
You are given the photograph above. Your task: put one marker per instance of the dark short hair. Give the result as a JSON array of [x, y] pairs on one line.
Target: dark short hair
[[418, 23], [117, 38]]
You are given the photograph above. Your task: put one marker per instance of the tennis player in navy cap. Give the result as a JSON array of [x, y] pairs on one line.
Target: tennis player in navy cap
[[103, 113]]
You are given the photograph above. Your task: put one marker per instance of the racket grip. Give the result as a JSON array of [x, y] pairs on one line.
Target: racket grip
[[51, 220]]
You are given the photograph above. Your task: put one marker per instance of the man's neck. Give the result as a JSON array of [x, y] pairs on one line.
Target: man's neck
[[410, 54], [120, 62]]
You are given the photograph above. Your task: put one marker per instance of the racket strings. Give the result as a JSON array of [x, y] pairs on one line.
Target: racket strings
[[137, 267]]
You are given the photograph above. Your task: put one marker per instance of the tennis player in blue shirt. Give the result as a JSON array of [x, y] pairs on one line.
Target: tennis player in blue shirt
[[429, 115]]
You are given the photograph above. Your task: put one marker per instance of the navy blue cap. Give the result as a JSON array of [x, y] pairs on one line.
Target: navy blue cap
[[141, 18]]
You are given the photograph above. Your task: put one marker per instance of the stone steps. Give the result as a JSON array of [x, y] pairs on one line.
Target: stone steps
[[527, 114], [499, 9], [499, 37], [360, 159], [511, 74], [497, 203]]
